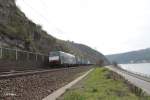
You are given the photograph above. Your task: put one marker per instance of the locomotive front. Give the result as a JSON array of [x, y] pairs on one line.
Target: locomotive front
[[54, 58]]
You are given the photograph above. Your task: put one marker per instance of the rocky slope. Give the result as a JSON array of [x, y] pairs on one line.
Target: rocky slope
[[17, 31]]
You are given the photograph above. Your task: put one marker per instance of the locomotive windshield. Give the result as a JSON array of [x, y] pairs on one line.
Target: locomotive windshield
[[54, 54]]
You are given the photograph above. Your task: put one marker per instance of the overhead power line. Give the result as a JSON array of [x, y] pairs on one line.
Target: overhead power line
[[37, 12]]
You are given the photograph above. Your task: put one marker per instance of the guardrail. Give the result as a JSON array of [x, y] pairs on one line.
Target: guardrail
[[16, 54], [15, 59], [136, 74]]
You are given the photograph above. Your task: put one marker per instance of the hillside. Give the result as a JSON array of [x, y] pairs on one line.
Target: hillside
[[140, 56], [17, 31]]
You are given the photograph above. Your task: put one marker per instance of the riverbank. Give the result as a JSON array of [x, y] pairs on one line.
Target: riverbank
[[98, 85], [139, 84]]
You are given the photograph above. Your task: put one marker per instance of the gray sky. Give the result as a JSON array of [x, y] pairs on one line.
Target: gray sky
[[109, 26]]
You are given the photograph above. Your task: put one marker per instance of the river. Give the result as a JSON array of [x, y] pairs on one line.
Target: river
[[142, 68]]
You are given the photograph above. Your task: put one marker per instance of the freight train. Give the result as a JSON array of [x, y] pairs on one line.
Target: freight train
[[60, 58]]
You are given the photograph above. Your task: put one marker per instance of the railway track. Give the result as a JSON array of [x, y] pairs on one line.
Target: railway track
[[13, 74], [28, 85]]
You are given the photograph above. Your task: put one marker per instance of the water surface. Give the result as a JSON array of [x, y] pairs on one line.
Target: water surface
[[142, 68]]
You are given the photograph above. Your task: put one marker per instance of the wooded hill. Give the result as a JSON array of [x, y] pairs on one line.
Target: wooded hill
[[139, 56]]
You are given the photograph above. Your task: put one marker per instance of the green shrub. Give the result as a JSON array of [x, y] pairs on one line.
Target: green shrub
[[74, 96]]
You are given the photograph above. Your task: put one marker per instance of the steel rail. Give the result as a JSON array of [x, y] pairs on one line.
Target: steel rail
[[26, 73]]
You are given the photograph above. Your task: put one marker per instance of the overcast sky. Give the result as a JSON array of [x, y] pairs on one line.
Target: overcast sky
[[109, 26]]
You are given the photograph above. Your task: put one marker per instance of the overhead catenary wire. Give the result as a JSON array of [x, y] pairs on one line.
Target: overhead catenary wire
[[51, 28], [38, 13], [45, 6]]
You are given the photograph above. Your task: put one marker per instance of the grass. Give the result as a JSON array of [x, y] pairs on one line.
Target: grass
[[96, 86]]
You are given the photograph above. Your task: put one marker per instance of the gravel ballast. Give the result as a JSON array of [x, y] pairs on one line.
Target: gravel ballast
[[38, 86]]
